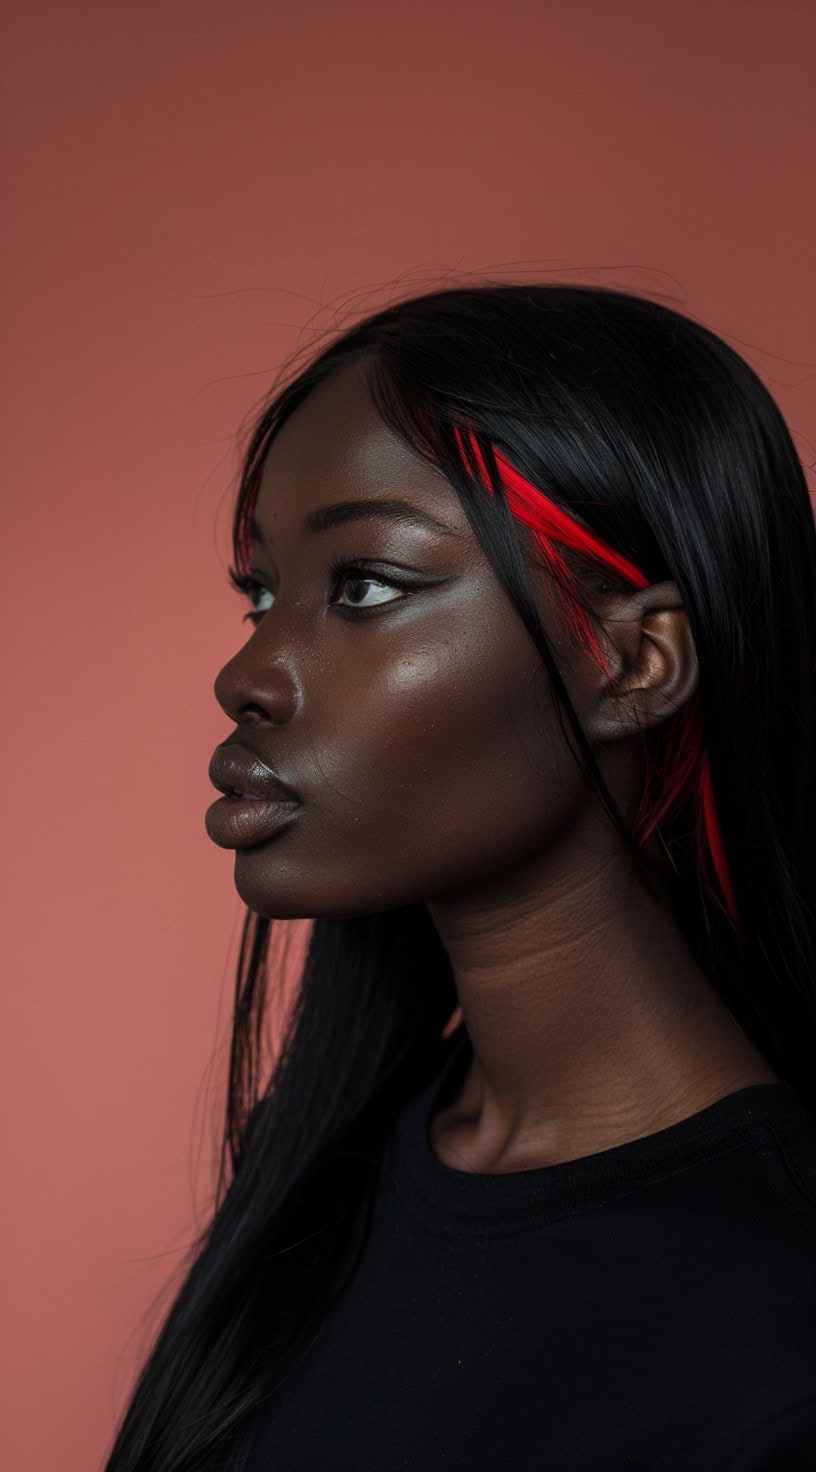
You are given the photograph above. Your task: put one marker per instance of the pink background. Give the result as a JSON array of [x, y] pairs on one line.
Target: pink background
[[194, 191]]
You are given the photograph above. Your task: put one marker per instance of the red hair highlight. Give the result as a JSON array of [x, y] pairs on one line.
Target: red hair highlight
[[685, 764]]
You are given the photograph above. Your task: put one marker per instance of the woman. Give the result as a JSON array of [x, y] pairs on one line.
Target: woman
[[526, 720]]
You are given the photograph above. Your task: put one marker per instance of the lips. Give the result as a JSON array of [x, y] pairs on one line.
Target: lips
[[238, 772]]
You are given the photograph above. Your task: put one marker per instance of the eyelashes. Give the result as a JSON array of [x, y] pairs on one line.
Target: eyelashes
[[341, 569], [249, 587]]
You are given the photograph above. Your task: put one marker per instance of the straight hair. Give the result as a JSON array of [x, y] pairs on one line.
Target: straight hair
[[643, 447]]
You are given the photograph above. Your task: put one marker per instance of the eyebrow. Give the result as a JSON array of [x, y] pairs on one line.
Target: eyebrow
[[342, 511]]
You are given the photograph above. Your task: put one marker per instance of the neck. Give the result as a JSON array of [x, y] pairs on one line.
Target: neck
[[590, 1020]]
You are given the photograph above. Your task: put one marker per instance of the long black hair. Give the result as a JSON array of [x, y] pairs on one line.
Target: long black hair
[[652, 433]]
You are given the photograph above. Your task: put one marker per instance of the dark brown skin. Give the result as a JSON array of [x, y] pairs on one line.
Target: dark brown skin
[[423, 743]]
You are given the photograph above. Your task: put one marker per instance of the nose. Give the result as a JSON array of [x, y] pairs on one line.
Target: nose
[[258, 682]]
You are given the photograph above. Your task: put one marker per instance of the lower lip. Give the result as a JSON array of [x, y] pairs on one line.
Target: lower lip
[[241, 822]]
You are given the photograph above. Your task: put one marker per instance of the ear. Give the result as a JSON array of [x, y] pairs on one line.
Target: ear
[[650, 652]]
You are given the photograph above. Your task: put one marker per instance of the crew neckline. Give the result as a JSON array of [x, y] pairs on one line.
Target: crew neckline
[[451, 1201]]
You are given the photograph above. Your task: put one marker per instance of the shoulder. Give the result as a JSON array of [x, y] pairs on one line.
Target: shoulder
[[757, 1262], [754, 1213], [731, 1300], [784, 1137], [757, 1173]]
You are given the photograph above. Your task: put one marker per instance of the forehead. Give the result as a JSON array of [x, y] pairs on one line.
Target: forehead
[[336, 447]]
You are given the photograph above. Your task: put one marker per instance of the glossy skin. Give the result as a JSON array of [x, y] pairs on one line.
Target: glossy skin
[[422, 741]]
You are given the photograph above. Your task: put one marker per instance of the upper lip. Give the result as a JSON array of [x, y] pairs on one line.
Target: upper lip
[[234, 768]]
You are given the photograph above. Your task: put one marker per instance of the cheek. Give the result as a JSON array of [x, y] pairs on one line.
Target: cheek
[[447, 758], [425, 770]]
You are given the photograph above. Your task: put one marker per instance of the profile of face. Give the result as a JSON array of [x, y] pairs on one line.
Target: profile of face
[[389, 681]]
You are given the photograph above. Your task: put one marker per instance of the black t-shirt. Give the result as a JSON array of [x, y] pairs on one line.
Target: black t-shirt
[[648, 1308]]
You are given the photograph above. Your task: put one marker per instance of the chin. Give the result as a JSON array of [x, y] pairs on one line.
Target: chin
[[273, 898], [273, 890], [283, 891]]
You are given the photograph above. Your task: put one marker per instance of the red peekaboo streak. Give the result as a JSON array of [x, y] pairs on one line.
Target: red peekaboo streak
[[550, 524], [543, 516], [686, 758]]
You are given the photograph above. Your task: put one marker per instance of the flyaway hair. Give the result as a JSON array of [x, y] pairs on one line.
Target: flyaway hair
[[625, 444]]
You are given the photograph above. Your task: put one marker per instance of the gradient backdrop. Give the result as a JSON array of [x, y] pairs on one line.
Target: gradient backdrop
[[191, 193]]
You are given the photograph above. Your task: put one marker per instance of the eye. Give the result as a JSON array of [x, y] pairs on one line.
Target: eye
[[254, 591], [342, 572]]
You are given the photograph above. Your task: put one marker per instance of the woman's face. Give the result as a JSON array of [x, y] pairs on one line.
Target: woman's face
[[404, 702]]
